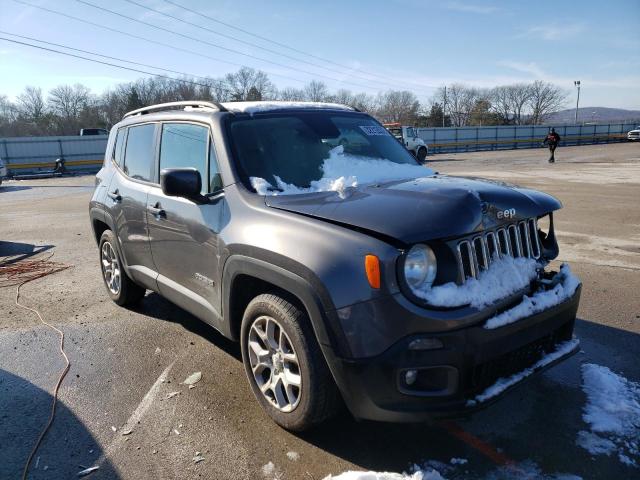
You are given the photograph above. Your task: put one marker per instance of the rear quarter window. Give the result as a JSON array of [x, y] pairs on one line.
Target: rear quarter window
[[139, 152], [118, 147]]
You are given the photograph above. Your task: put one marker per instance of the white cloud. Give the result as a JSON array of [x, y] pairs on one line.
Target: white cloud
[[530, 68], [471, 7], [554, 32]]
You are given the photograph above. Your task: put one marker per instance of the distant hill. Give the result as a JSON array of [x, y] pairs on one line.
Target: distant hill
[[594, 114]]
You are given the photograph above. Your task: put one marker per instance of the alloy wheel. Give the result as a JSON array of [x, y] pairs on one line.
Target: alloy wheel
[[110, 268], [274, 363]]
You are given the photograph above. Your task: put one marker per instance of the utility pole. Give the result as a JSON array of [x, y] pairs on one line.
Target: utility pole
[[444, 107], [577, 84]]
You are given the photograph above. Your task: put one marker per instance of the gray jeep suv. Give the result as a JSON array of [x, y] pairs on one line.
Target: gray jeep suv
[[350, 274]]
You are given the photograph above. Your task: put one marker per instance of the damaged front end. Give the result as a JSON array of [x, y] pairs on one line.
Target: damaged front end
[[493, 316]]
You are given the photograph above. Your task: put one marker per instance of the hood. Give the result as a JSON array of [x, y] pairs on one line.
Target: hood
[[422, 209]]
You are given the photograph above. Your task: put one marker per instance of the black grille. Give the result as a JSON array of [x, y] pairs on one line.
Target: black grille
[[486, 374], [476, 253]]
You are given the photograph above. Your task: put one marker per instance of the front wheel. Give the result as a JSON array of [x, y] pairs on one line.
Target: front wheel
[[421, 154], [285, 367]]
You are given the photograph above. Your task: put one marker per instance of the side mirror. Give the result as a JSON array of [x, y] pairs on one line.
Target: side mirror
[[182, 182]]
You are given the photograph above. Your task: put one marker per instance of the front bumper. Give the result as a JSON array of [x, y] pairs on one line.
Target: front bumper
[[471, 360]]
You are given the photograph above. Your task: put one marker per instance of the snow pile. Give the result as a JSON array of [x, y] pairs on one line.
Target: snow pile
[[257, 107], [434, 470], [539, 301], [502, 384], [429, 474], [504, 277], [613, 413], [341, 171]]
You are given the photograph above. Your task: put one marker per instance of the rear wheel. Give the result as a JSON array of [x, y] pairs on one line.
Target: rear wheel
[[421, 154], [284, 364], [120, 287]]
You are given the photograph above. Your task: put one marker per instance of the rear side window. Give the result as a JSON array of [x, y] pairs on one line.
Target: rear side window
[[138, 157], [185, 145], [119, 147]]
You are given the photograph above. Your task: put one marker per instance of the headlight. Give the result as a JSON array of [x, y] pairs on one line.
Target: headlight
[[420, 267]]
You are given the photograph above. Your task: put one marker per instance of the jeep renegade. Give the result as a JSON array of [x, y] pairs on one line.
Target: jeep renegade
[[404, 297]]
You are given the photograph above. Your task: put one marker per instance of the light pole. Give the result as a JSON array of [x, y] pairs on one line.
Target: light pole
[[577, 84]]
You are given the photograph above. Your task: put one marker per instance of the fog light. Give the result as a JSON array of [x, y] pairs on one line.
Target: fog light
[[410, 377], [425, 344]]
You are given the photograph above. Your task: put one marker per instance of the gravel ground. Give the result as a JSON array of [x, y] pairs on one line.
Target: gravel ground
[[126, 363]]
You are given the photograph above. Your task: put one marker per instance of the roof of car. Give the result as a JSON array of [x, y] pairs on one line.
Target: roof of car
[[267, 106], [197, 107]]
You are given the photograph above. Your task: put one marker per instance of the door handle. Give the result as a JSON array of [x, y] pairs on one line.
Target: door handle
[[115, 195], [157, 211]]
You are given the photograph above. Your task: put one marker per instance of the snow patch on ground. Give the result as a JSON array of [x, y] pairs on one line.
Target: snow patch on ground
[[341, 171], [539, 301], [434, 470], [613, 413], [504, 383], [504, 277], [293, 456], [257, 107], [429, 474]]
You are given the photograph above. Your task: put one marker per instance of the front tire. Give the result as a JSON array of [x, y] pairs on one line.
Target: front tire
[[120, 287], [285, 367]]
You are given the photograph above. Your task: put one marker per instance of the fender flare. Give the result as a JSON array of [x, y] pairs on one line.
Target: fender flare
[[321, 316]]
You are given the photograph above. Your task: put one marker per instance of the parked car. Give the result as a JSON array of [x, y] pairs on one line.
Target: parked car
[[408, 136], [3, 171], [403, 298], [634, 135], [93, 131]]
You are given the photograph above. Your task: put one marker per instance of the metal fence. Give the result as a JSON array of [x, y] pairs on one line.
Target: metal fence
[[37, 154], [469, 139]]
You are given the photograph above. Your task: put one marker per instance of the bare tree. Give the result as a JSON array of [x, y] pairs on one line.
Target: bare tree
[[316, 91], [519, 96], [8, 111], [398, 106], [342, 96], [545, 99], [501, 103], [460, 101], [247, 79], [31, 104], [69, 100], [364, 102], [291, 94]]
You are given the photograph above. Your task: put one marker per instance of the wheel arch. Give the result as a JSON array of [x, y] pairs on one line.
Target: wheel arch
[[246, 277]]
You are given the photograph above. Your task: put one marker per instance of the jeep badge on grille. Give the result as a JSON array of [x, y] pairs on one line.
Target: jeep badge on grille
[[508, 213]]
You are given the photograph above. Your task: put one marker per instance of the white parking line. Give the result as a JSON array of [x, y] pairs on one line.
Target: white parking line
[[137, 414]]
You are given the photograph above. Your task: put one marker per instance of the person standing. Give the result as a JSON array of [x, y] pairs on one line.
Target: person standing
[[552, 140]]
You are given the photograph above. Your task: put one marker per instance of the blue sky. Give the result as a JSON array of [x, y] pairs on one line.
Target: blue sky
[[416, 45]]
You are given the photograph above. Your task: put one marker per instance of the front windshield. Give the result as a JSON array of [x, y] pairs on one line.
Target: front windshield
[[285, 151]]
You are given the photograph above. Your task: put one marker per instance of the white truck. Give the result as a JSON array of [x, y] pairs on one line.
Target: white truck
[[409, 138]]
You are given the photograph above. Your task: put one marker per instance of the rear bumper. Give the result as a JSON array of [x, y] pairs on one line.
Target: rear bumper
[[470, 361]]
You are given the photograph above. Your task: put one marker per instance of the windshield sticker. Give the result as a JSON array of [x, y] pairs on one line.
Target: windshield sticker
[[371, 130]]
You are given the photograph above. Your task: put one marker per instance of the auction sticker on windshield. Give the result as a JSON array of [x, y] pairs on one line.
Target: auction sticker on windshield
[[374, 130]]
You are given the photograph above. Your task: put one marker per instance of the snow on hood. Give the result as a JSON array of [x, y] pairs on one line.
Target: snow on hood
[[613, 413], [257, 107], [504, 277], [341, 171]]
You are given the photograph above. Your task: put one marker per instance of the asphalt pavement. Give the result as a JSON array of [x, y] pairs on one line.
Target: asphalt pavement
[[118, 406]]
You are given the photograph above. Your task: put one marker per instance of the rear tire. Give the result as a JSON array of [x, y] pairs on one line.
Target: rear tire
[[120, 287], [284, 364], [421, 154]]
